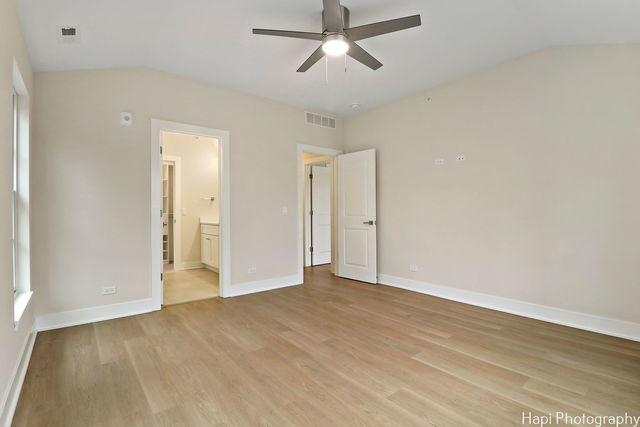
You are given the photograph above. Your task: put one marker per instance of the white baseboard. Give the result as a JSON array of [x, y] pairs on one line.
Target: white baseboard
[[261, 286], [93, 314], [208, 267], [12, 394], [188, 265], [603, 325]]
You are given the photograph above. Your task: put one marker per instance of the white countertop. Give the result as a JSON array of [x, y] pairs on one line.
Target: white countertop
[[208, 220]]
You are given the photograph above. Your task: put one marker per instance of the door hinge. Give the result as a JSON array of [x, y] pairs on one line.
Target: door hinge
[[311, 212], [161, 149], [160, 213], [311, 249], [310, 176], [161, 276]]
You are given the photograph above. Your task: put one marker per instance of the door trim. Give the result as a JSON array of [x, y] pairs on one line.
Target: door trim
[[157, 127], [312, 149]]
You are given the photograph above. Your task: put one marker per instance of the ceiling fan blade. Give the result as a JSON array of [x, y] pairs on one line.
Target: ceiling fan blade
[[361, 55], [293, 34], [384, 27], [332, 15], [315, 57]]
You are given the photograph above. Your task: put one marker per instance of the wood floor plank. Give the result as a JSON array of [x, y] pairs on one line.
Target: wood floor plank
[[330, 352]]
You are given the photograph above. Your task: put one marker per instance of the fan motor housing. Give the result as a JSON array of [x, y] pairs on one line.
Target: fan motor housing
[[345, 20]]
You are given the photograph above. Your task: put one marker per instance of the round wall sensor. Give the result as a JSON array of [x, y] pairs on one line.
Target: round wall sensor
[[428, 99], [126, 119]]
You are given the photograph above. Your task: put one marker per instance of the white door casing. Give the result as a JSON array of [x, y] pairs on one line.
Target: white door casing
[[321, 217], [357, 216]]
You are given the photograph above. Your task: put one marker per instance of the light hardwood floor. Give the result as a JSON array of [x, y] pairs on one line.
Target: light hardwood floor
[[331, 352], [190, 285]]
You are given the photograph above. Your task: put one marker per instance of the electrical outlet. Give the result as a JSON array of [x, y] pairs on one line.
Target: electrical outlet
[[439, 162], [460, 158], [109, 290], [413, 267], [251, 270]]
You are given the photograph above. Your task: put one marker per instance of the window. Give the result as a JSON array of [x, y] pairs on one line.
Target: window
[[14, 195], [20, 197]]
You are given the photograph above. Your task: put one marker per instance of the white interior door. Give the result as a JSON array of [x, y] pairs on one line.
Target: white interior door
[[320, 214], [357, 253]]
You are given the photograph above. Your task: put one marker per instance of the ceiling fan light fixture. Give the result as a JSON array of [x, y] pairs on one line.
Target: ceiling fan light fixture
[[335, 45], [338, 37]]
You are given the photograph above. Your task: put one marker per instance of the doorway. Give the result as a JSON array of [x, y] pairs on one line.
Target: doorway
[[318, 213], [190, 213], [190, 205], [171, 172], [353, 212], [316, 194]]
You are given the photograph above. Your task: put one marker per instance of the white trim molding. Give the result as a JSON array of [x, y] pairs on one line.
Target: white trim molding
[[20, 302], [12, 393], [82, 316], [188, 265], [574, 319], [262, 285]]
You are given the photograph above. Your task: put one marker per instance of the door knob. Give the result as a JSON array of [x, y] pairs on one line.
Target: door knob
[[370, 222]]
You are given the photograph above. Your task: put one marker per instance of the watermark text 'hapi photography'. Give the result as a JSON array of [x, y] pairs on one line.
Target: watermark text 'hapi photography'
[[580, 420]]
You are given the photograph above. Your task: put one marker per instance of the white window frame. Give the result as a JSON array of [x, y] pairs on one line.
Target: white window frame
[[20, 197]]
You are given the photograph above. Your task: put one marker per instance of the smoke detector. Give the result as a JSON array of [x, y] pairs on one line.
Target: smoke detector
[[68, 34]]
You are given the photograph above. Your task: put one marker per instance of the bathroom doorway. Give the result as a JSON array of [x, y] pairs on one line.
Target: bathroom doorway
[[190, 221], [190, 235]]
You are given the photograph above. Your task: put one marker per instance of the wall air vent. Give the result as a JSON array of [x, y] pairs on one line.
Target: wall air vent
[[68, 34], [322, 121]]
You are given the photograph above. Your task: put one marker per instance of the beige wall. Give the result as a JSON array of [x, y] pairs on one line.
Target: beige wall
[[11, 341], [198, 179], [91, 179], [545, 208]]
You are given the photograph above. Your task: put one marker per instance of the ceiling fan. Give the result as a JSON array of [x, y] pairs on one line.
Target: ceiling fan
[[337, 38]]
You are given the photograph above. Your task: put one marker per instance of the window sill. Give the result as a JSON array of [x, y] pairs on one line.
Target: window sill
[[20, 303]]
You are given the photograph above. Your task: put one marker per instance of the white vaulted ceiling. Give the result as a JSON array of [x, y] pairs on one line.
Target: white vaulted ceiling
[[211, 40]]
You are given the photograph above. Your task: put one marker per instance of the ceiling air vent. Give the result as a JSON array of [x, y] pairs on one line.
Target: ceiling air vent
[[68, 34], [322, 121]]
